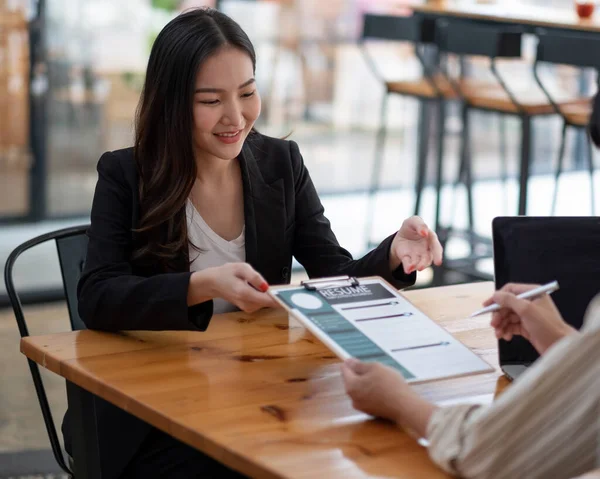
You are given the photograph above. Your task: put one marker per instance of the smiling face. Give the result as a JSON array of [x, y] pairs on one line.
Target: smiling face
[[226, 104]]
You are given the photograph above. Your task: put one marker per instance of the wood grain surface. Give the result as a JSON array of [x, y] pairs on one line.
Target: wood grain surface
[[259, 393]]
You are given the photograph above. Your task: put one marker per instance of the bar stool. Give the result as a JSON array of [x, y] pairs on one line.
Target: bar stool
[[578, 51], [465, 39], [430, 89]]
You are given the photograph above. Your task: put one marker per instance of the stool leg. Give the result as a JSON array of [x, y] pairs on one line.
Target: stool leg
[[590, 156], [468, 169], [464, 174], [526, 143], [503, 157], [440, 162], [559, 166], [468, 172], [462, 164], [376, 170], [439, 276], [423, 152]]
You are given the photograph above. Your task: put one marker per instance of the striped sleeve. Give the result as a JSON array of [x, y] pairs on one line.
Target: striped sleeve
[[547, 424]]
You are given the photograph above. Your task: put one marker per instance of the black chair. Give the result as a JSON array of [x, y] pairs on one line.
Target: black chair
[[71, 244], [430, 90], [577, 51]]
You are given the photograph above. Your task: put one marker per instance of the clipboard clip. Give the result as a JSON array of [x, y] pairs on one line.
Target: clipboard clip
[[333, 282]]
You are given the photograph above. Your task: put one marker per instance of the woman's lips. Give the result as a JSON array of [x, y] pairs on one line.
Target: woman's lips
[[229, 137]]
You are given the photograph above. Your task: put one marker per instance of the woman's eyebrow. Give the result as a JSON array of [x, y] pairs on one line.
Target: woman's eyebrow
[[220, 90]]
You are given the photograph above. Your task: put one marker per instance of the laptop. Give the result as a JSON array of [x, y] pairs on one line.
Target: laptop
[[530, 249]]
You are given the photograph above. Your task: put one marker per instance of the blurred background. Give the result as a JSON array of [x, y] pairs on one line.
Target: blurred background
[[70, 78]]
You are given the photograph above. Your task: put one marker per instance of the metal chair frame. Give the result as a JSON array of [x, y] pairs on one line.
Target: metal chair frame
[[493, 43], [497, 43], [76, 324], [586, 57]]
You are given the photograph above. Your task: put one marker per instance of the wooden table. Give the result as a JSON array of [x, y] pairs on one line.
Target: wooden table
[[13, 20], [510, 13], [260, 394]]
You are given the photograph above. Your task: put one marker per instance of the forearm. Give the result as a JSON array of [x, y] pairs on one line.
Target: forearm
[[201, 287], [567, 330], [113, 302], [552, 337], [414, 412]]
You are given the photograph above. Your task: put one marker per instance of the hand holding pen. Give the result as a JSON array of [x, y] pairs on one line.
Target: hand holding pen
[[532, 293], [527, 310]]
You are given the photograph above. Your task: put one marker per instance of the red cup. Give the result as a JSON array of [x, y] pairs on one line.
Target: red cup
[[585, 8]]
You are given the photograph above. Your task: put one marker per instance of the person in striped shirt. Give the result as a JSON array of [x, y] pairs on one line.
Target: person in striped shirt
[[546, 425]]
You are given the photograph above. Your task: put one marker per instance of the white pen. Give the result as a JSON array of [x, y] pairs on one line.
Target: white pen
[[531, 294]]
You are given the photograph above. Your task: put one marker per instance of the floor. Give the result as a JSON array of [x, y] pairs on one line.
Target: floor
[[21, 424]]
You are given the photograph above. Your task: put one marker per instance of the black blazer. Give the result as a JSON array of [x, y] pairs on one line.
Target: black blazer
[[283, 218]]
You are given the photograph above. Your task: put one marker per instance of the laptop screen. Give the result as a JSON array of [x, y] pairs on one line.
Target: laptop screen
[[543, 249]]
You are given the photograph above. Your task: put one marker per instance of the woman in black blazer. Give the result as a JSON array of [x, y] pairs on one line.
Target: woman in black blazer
[[195, 144]]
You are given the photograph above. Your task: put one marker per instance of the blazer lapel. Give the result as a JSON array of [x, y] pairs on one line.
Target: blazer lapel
[[264, 213]]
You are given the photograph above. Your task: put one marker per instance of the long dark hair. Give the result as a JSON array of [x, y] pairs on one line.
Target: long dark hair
[[163, 150]]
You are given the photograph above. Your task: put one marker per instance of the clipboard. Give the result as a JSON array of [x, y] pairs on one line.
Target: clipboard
[[367, 318]]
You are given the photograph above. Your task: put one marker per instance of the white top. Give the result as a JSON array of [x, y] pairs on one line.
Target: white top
[[545, 425], [214, 250]]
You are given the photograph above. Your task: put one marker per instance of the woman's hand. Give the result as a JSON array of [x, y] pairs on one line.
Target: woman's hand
[[415, 246], [538, 321], [237, 283], [381, 391], [374, 388]]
